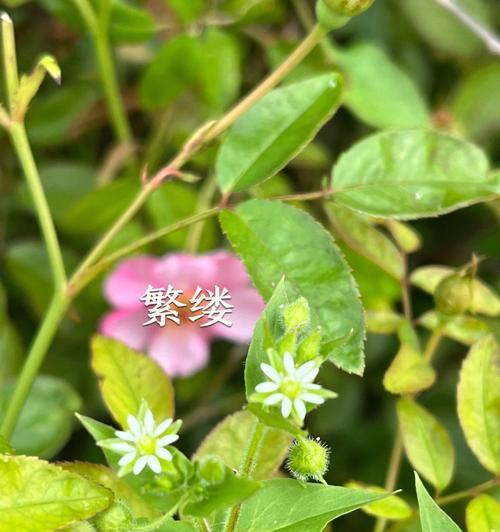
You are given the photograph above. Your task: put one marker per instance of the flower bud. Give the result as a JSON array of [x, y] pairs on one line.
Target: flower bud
[[117, 517], [308, 459], [348, 8], [211, 470], [309, 347], [328, 18], [297, 315], [453, 294]]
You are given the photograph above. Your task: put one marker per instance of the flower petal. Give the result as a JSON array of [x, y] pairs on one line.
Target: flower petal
[[127, 459], [162, 427], [126, 436], [305, 368], [312, 398], [134, 426], [309, 377], [154, 464], [164, 454], [286, 407], [167, 440], [149, 422], [266, 387], [126, 326], [122, 447], [270, 372], [180, 350], [140, 464], [289, 363], [300, 408], [273, 399]]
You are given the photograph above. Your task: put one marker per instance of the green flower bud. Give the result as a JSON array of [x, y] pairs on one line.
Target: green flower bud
[[297, 315], [117, 517], [308, 459], [348, 8], [211, 470], [287, 343], [453, 294], [328, 18], [309, 347]]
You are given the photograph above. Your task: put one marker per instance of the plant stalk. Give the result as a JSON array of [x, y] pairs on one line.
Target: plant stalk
[[471, 492]]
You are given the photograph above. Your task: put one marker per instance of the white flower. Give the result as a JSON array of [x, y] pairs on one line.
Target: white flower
[[293, 387], [144, 443]]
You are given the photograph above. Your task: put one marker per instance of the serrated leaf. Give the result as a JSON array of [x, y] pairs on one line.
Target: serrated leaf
[[290, 506], [483, 514], [127, 377], [371, 77], [276, 241], [275, 130], [357, 231], [484, 299], [432, 518], [463, 329], [36, 495], [413, 173], [393, 507], [478, 398], [427, 443], [409, 372], [229, 438]]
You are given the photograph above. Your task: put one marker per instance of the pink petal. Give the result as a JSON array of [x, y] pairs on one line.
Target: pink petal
[[186, 272], [248, 306], [126, 284], [230, 271], [126, 326], [180, 351]]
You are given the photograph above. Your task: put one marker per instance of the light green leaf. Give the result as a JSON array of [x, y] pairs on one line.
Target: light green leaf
[[409, 372], [127, 377], [463, 329], [276, 241], [46, 421], [229, 438], [483, 514], [290, 506], [358, 232], [275, 130], [383, 321], [478, 398], [129, 24], [427, 443], [405, 235], [432, 518], [484, 299], [378, 91], [5, 448], [392, 507], [412, 173], [36, 495]]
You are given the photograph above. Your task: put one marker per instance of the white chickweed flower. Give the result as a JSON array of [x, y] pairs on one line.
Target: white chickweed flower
[[144, 443], [293, 387]]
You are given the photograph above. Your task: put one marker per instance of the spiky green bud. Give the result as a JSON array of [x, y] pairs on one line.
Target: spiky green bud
[[297, 315], [308, 459]]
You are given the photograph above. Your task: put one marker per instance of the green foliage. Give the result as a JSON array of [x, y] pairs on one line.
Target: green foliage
[[275, 130], [478, 412], [37, 494], [127, 378], [263, 233], [412, 174], [483, 514]]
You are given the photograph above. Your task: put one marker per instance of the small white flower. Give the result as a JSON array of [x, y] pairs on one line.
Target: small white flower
[[144, 443], [293, 387]]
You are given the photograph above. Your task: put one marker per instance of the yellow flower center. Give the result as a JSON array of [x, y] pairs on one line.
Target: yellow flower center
[[291, 388], [147, 445]]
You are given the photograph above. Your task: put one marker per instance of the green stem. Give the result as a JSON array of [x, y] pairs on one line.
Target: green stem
[[471, 492], [34, 360], [9, 59], [246, 470], [433, 344], [157, 523], [25, 156]]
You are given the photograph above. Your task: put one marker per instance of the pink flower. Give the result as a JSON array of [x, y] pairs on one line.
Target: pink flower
[[180, 349]]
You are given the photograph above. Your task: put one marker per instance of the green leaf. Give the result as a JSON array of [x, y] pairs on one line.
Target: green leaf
[[11, 349], [478, 398], [412, 173], [275, 130], [392, 507], [276, 241], [484, 299], [378, 91], [432, 518], [444, 31], [5, 448], [427, 443], [232, 490], [276, 421], [127, 377], [463, 329], [187, 11], [409, 372], [483, 514], [358, 232], [41, 496], [229, 438], [46, 421], [291, 506], [130, 24], [405, 236], [383, 321]]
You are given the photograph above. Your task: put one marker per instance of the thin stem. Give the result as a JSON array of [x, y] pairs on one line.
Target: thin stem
[[246, 470], [433, 344], [306, 196], [470, 492], [491, 40], [33, 362], [22, 148], [9, 58], [157, 523]]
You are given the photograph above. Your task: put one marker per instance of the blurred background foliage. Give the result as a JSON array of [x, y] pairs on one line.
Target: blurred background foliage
[[180, 63]]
